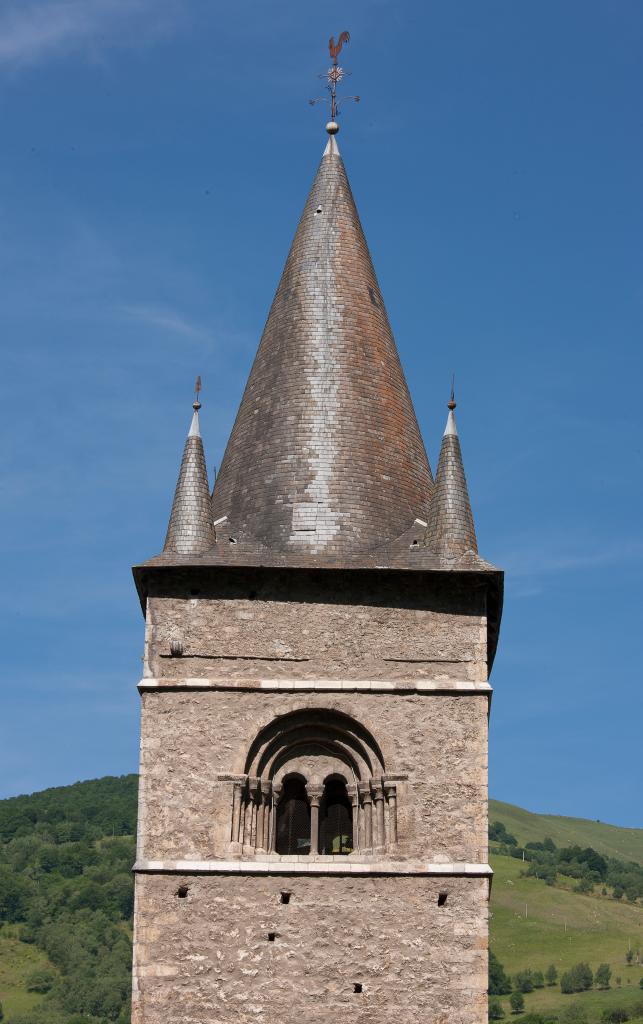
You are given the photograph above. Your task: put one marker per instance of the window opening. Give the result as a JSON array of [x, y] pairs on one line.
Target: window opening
[[182, 892], [357, 987], [442, 898], [293, 819], [285, 897], [335, 819]]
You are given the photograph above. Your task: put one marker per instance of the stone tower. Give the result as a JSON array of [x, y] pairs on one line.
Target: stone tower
[[319, 633]]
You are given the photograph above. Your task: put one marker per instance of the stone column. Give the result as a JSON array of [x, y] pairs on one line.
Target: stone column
[[391, 792], [254, 786], [353, 796], [263, 816], [378, 796], [315, 794], [367, 801], [277, 790], [237, 790]]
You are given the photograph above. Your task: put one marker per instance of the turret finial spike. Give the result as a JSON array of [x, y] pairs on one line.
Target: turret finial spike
[[196, 405], [452, 403]]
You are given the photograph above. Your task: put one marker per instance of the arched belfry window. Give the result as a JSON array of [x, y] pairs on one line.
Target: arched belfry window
[[293, 818], [314, 783], [335, 818]]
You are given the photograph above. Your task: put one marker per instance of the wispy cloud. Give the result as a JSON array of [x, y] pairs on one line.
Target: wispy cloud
[[537, 558], [167, 320], [33, 30]]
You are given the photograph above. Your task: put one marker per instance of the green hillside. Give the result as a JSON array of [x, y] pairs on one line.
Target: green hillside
[[610, 840], [66, 905]]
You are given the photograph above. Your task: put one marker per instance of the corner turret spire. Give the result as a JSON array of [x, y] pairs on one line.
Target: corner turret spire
[[190, 531], [451, 530]]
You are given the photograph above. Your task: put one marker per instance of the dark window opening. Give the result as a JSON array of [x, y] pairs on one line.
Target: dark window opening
[[357, 987], [442, 898], [335, 819], [272, 936], [182, 891], [285, 897], [293, 819]]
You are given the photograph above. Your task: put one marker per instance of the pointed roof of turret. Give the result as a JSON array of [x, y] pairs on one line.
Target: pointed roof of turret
[[451, 532], [325, 456], [190, 530]]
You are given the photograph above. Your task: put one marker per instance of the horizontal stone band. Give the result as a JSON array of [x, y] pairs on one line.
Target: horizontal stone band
[[304, 866], [446, 686]]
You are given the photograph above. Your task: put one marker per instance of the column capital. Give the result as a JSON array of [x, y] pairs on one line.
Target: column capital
[[390, 788], [315, 792], [364, 789]]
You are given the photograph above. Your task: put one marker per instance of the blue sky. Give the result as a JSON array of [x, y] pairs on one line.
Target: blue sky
[[154, 159]]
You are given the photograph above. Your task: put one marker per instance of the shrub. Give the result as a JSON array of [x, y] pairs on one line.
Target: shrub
[[496, 1011], [551, 974], [517, 1002], [574, 1014], [615, 1016], [40, 981], [499, 983], [603, 975]]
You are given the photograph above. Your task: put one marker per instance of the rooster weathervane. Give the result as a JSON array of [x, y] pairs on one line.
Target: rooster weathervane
[[334, 76]]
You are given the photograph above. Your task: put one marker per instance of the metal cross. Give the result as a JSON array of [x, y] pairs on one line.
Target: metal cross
[[334, 76]]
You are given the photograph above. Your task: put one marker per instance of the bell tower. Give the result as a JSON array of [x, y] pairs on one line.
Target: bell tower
[[319, 634]]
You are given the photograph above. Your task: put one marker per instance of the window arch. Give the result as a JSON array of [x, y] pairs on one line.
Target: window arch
[[335, 818], [280, 804], [293, 818]]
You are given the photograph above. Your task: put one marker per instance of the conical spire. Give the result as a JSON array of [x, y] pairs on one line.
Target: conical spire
[[190, 530], [451, 531], [325, 456]]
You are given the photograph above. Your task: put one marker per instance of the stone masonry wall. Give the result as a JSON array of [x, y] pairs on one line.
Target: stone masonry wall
[[189, 738], [206, 959], [308, 625]]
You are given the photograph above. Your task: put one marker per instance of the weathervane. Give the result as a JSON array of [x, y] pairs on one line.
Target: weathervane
[[334, 76], [196, 405]]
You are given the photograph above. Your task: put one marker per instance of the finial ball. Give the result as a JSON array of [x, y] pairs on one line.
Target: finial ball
[[451, 405], [332, 127], [196, 406]]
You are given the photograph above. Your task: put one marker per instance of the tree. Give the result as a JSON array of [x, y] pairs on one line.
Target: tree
[[523, 981], [641, 983], [1, 1012], [538, 979], [603, 975], [499, 983], [551, 974], [578, 979], [517, 1001], [629, 956], [496, 1011]]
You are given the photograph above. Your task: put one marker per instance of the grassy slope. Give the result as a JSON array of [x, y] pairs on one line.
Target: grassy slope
[[17, 961], [563, 928], [610, 840]]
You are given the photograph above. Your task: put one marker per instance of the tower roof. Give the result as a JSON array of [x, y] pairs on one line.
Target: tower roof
[[451, 532], [325, 457], [190, 529]]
